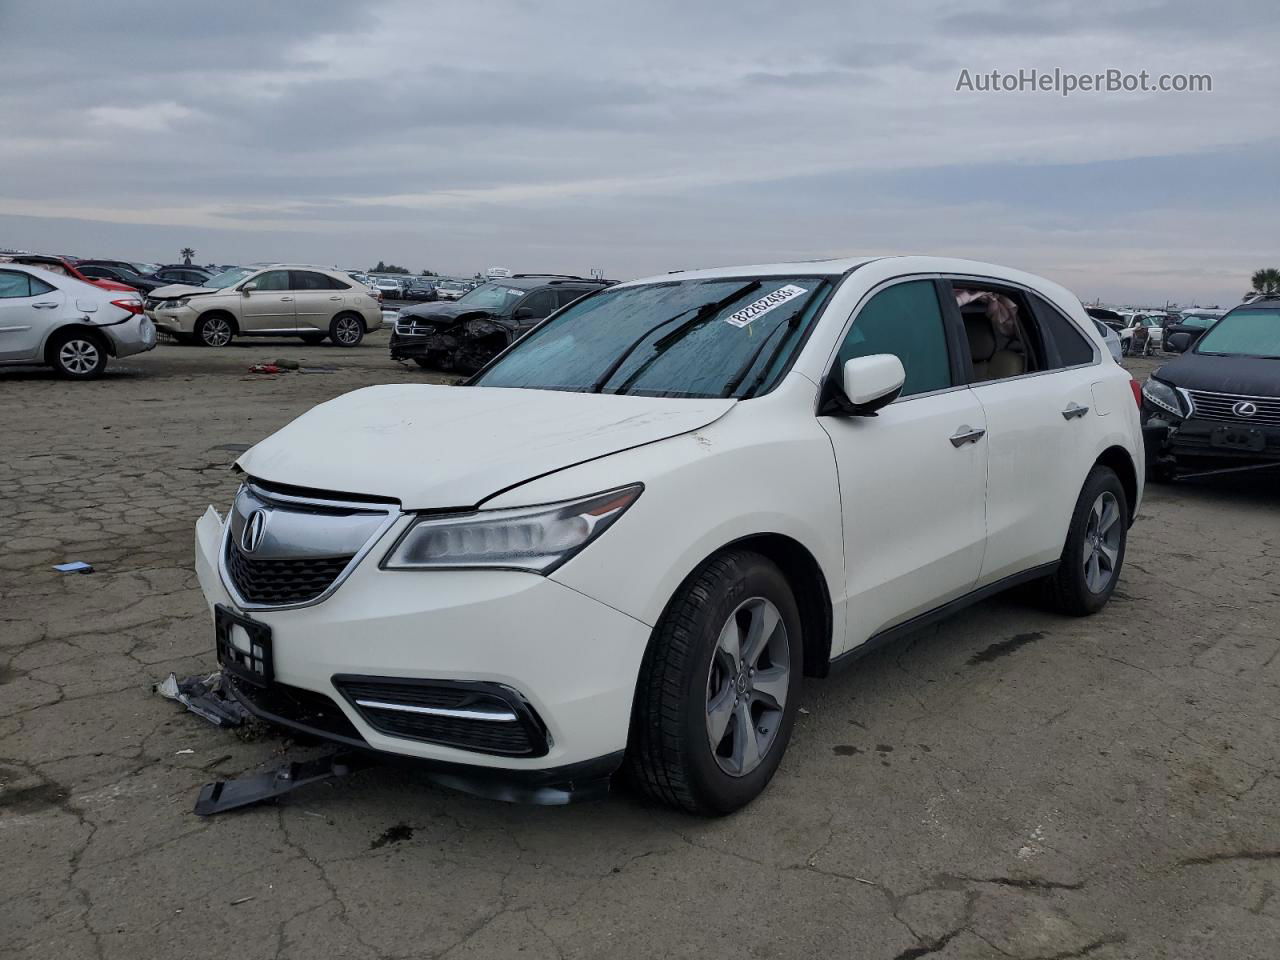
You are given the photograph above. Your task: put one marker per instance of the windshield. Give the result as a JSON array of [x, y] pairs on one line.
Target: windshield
[[1198, 320], [227, 278], [487, 296], [1248, 333], [691, 338]]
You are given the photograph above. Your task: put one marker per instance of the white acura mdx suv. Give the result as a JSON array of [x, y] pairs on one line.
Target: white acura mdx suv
[[629, 536]]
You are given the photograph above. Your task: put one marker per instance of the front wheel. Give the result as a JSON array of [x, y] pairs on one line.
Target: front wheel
[[346, 330], [215, 331], [1094, 552], [719, 687]]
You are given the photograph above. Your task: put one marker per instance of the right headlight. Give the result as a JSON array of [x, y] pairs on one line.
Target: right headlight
[[537, 539], [1163, 396]]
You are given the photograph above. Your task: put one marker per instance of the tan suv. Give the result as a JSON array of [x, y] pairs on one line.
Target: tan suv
[[282, 299]]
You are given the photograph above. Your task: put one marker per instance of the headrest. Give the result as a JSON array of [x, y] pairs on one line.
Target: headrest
[[982, 342]]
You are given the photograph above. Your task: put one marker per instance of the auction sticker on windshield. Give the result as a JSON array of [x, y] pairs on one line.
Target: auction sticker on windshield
[[740, 318]]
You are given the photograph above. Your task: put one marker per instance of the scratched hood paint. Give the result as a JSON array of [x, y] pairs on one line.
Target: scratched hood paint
[[433, 447]]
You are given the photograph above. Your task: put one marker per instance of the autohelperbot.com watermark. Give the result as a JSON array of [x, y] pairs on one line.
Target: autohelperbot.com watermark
[[1066, 82]]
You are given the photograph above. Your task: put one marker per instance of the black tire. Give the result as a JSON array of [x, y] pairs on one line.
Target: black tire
[[77, 354], [215, 330], [670, 755], [346, 330], [1069, 590], [426, 363]]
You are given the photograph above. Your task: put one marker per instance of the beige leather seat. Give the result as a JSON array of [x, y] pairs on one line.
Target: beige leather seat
[[991, 360]]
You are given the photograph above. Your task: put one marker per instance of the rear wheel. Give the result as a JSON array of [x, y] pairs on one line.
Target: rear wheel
[[1094, 551], [719, 687], [346, 330], [78, 355], [214, 331]]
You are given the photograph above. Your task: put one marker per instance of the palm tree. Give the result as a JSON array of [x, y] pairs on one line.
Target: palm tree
[[187, 253], [1266, 280]]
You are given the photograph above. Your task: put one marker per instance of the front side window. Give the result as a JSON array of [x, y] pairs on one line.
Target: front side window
[[272, 280], [906, 321], [687, 338], [540, 303], [1245, 333]]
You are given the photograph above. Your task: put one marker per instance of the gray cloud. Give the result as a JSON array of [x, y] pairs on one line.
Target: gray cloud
[[639, 139]]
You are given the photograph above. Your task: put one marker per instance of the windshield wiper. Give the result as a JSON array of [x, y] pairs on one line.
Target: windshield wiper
[[704, 313]]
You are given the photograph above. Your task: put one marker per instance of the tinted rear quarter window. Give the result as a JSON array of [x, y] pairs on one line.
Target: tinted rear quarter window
[[1072, 346]]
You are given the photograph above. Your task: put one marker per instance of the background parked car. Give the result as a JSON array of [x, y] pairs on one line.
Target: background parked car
[[1142, 334], [1194, 323], [451, 289], [464, 334], [292, 300], [98, 270], [389, 287], [182, 273], [60, 321], [65, 267], [422, 288]]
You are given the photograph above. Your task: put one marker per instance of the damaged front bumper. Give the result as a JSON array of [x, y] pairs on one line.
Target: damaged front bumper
[[369, 666], [1198, 446]]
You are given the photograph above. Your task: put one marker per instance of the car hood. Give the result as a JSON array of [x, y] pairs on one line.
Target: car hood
[[436, 447], [1251, 376], [447, 310], [181, 290]]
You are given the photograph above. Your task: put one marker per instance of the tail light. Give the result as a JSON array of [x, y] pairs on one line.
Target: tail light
[[1136, 387], [133, 306]]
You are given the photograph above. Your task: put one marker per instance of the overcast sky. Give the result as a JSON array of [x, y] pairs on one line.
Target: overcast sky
[[641, 137]]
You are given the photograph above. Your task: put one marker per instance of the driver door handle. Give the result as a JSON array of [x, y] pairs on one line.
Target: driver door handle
[[335, 298], [285, 299], [1073, 411], [967, 434]]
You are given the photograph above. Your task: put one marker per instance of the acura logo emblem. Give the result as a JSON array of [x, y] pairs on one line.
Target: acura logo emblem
[[1245, 409], [254, 530]]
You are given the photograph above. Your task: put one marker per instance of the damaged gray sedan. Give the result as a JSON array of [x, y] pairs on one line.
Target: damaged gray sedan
[[465, 334]]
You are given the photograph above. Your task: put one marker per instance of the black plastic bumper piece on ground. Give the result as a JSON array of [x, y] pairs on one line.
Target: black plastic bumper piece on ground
[[573, 783], [225, 795]]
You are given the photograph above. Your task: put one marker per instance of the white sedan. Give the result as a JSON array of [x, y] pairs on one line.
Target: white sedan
[[627, 539], [59, 321]]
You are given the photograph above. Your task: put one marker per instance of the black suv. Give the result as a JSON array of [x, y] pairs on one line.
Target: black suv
[[1217, 407], [467, 333]]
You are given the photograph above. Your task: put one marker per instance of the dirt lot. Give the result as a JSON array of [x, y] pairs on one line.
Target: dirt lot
[[1010, 783]]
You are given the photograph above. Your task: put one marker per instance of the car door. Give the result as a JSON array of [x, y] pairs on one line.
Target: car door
[[269, 306], [913, 477], [1032, 370], [316, 299], [29, 309]]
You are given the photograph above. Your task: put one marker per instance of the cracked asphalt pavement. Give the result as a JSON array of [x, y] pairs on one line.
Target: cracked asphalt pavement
[[1007, 784]]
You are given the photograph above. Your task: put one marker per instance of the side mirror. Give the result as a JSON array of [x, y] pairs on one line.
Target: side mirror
[[524, 313], [249, 287], [866, 384], [1179, 342]]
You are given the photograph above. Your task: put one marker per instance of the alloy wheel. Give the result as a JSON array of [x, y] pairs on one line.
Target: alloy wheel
[[347, 330], [747, 685], [216, 332], [1102, 542], [78, 356]]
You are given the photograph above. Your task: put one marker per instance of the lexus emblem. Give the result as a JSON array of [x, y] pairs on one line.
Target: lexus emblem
[[1245, 408], [254, 530]]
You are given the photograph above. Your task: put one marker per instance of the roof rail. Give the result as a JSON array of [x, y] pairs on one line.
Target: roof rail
[[559, 276]]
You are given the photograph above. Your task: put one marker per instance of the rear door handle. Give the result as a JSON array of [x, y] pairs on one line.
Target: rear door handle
[[284, 299], [335, 298], [45, 305], [1074, 411], [966, 434]]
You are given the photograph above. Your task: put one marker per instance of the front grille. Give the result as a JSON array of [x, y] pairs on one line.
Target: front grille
[[1220, 406], [414, 328], [279, 581], [484, 718], [296, 706]]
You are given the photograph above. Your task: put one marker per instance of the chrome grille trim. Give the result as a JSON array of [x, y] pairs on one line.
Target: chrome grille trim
[[1207, 405], [381, 518]]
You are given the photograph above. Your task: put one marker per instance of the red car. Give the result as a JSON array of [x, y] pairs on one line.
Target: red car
[[65, 267]]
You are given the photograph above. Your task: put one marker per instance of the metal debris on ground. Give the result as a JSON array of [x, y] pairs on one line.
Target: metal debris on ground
[[75, 566], [206, 696], [224, 795]]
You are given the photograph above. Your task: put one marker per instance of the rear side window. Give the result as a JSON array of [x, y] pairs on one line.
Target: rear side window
[[1073, 347], [14, 285], [564, 297], [306, 280], [906, 321]]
